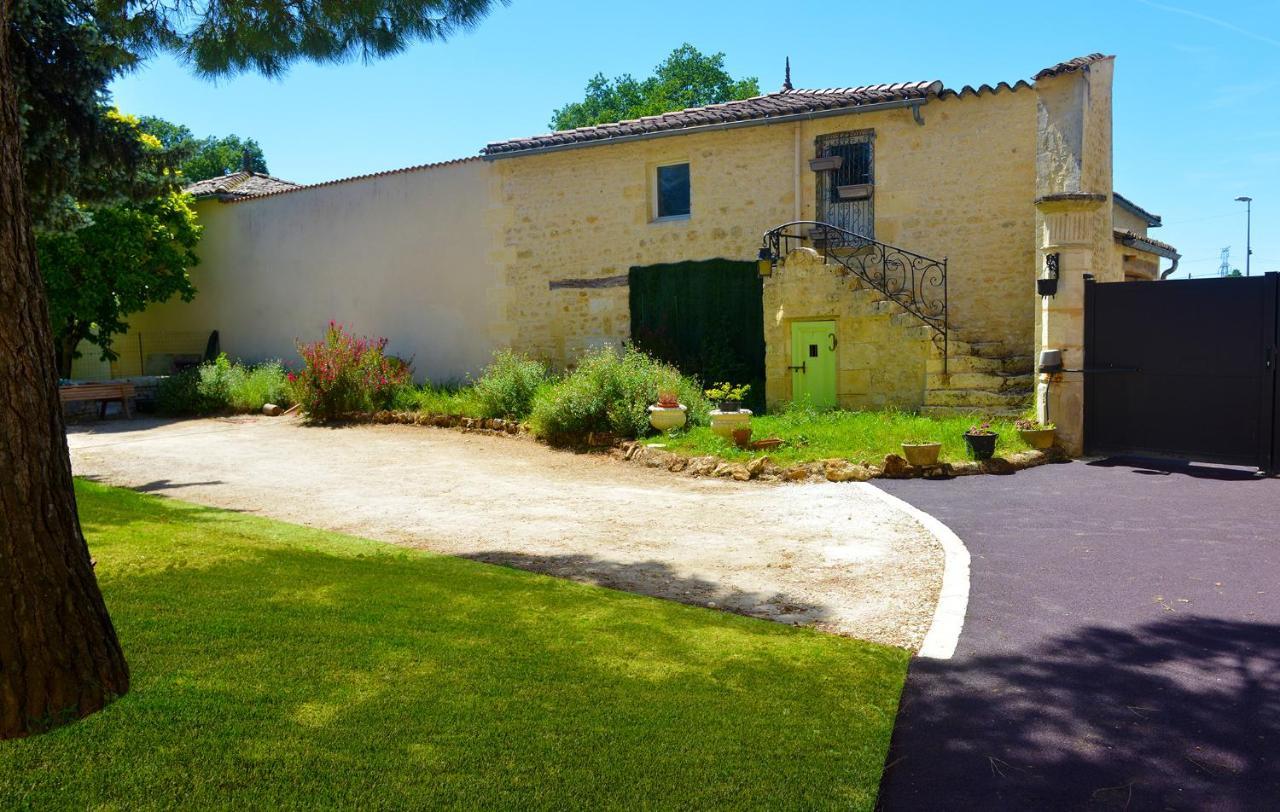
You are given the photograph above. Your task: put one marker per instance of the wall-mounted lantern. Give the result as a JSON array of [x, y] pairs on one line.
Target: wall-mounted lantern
[[1047, 285], [765, 262]]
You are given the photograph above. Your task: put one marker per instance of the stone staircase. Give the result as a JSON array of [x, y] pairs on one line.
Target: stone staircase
[[982, 377]]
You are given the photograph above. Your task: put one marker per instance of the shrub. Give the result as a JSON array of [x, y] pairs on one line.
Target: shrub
[[179, 395], [507, 387], [255, 386], [451, 399], [344, 373], [221, 386], [611, 392]]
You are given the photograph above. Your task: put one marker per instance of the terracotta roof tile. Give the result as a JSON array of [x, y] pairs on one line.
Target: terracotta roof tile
[[1149, 244], [1071, 65], [771, 105], [239, 184], [1153, 220]]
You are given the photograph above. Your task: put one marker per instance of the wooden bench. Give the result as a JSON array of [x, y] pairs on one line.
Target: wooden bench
[[119, 392]]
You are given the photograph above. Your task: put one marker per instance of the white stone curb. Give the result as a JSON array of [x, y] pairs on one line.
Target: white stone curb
[[953, 599]]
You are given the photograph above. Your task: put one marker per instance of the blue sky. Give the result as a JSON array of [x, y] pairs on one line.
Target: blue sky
[[1197, 121]]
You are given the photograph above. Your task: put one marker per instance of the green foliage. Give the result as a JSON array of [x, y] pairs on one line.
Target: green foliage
[[507, 387], [449, 399], [727, 391], [344, 373], [611, 392], [686, 78], [125, 257], [63, 57], [207, 157], [179, 395], [810, 434], [283, 667], [223, 386]]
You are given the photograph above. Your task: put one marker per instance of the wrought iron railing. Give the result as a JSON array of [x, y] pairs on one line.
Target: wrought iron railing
[[916, 283]]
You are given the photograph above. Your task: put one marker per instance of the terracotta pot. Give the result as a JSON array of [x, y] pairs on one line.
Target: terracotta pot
[[1039, 439], [921, 454], [742, 437]]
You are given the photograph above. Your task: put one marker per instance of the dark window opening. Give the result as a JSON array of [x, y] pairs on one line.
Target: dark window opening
[[813, 350], [855, 169], [673, 190]]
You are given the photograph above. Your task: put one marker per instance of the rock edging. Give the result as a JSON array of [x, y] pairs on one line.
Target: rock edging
[[831, 470]]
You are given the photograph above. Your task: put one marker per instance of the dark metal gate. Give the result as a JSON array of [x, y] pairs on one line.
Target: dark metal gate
[[1183, 369]]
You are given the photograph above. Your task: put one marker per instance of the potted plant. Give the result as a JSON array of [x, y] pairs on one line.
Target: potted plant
[[1036, 434], [667, 413], [921, 453], [981, 440], [730, 415], [728, 396]]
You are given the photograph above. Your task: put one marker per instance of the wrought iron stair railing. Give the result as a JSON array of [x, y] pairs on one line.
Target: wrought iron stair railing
[[916, 283]]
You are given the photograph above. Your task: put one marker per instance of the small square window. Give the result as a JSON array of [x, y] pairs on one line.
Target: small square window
[[673, 190]]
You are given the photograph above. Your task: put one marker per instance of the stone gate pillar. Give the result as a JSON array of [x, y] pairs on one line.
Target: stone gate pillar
[[1073, 221], [1069, 228]]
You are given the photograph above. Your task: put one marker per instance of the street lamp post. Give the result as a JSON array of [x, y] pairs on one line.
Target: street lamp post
[[1248, 230]]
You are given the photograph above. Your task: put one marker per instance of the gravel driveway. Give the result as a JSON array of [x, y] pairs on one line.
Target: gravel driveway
[[835, 556]]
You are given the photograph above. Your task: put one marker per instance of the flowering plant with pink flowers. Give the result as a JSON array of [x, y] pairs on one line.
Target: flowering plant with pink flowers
[[346, 373]]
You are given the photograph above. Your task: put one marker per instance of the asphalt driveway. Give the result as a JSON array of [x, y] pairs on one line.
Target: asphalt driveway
[[1121, 648]]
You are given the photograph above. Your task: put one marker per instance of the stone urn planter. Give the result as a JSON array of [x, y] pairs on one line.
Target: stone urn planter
[[666, 418], [922, 454], [723, 423]]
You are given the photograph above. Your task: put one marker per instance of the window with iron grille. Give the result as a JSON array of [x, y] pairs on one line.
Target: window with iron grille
[[846, 194]]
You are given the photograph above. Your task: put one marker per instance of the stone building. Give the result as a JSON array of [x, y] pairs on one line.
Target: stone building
[[801, 232]]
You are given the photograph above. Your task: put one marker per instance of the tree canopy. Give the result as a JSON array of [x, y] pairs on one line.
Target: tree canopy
[[686, 78], [206, 157]]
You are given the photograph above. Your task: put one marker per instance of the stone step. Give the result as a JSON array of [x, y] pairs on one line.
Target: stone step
[[978, 399], [961, 362], [988, 381]]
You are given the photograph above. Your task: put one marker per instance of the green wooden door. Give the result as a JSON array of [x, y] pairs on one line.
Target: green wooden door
[[813, 363], [706, 318]]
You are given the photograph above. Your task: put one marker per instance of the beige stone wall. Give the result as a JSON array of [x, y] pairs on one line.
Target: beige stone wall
[[407, 255], [881, 353], [961, 186]]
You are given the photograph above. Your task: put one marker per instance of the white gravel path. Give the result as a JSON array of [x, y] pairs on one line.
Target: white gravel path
[[828, 555]]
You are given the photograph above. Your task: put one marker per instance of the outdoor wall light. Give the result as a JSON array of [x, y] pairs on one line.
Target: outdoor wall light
[[1050, 360], [1047, 285], [765, 262]]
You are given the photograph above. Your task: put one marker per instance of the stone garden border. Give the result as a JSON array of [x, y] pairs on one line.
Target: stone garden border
[[758, 468]]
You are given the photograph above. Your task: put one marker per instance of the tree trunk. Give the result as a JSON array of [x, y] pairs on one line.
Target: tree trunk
[[59, 657]]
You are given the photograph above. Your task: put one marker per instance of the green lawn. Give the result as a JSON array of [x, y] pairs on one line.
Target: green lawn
[[276, 666], [812, 435]]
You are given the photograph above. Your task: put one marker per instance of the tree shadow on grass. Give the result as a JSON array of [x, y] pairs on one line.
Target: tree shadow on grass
[[1178, 714], [658, 579], [308, 675]]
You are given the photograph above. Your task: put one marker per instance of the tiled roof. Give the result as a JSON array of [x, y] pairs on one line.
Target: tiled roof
[[294, 187], [238, 185], [1149, 244], [1153, 220], [782, 104], [770, 105], [1070, 66]]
